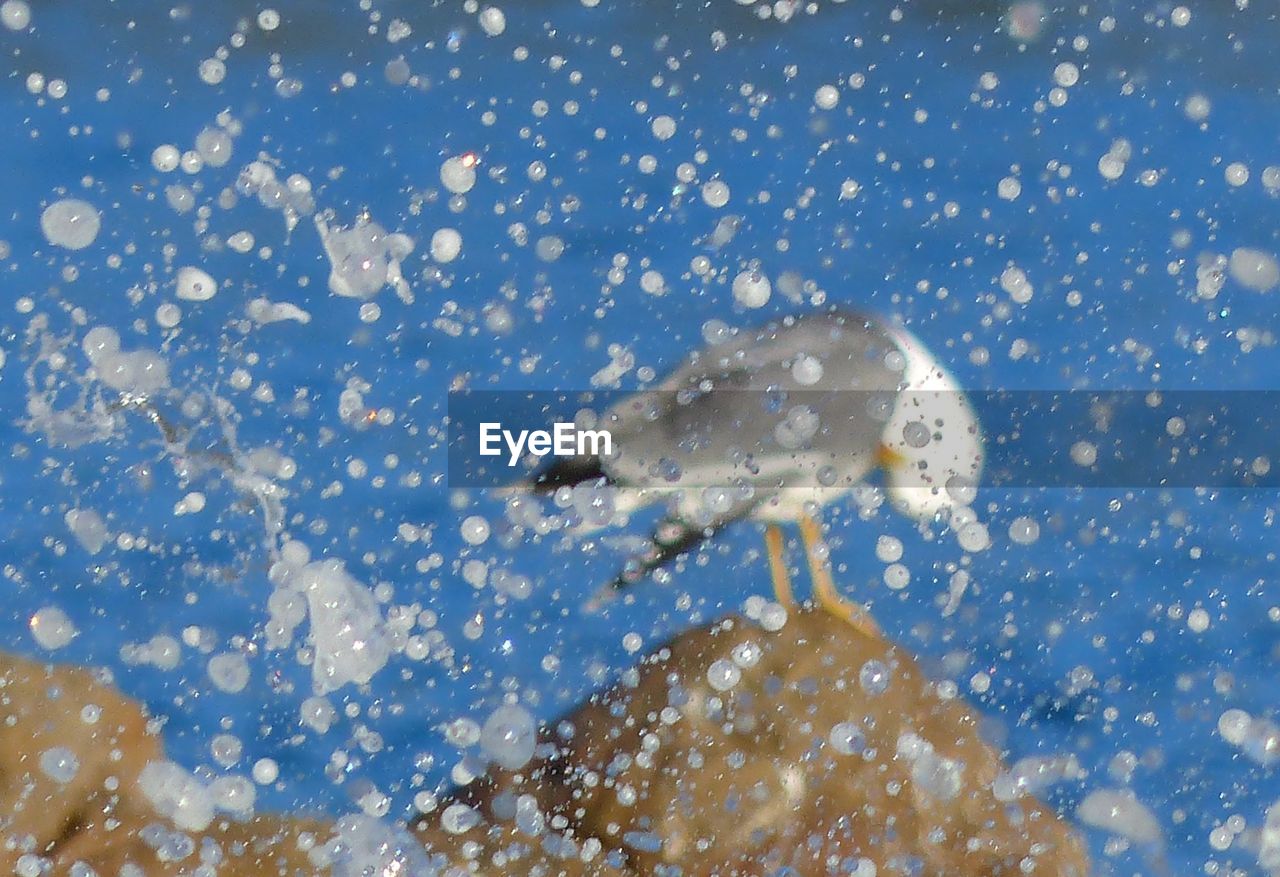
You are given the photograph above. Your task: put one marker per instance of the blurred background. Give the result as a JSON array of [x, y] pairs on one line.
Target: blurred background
[[1050, 196]]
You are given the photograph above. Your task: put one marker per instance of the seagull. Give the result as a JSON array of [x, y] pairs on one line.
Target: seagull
[[774, 423]]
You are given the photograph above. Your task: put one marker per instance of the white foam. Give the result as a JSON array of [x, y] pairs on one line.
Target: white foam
[[1121, 813]]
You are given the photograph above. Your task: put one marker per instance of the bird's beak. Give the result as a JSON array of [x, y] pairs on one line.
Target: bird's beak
[[887, 458]]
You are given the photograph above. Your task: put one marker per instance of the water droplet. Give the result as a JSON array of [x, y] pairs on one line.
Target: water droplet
[[70, 223], [874, 677]]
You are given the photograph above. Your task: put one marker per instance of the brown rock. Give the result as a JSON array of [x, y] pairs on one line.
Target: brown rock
[[45, 709], [668, 770], [98, 817], [715, 756]]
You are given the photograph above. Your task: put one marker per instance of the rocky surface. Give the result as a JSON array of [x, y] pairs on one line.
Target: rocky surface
[[829, 753], [732, 750]]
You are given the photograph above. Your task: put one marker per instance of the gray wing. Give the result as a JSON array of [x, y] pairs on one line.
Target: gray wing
[[738, 412]]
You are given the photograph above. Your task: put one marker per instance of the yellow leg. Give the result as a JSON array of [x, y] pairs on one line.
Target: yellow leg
[[824, 587], [778, 566]]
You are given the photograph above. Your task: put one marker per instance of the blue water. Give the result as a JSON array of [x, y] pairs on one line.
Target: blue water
[[1108, 570]]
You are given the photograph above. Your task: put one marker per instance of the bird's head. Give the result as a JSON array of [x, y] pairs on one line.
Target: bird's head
[[931, 448]]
